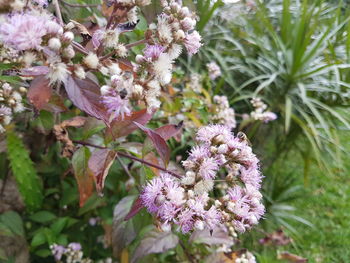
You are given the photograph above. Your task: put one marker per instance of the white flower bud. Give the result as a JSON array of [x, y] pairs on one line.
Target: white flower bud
[[68, 36], [104, 70], [68, 52], [180, 35], [231, 206], [114, 69], [165, 227], [138, 90], [91, 61], [185, 11], [80, 72], [139, 59], [54, 43], [105, 90], [199, 225], [188, 23]]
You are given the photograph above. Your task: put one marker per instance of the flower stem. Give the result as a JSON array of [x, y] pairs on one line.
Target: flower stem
[[131, 157], [58, 12]]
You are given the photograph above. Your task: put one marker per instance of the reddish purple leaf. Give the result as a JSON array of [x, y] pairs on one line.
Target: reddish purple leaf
[[119, 128], [55, 104], [83, 174], [168, 131], [39, 92], [35, 71], [136, 207], [99, 164], [85, 94], [158, 142]]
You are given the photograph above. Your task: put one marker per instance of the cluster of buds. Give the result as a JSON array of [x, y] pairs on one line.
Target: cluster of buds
[[10, 102], [195, 82], [260, 112], [245, 257], [174, 28], [223, 113], [214, 70], [71, 254], [186, 202]]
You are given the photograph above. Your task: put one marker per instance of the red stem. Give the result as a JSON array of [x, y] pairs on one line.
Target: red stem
[[131, 157]]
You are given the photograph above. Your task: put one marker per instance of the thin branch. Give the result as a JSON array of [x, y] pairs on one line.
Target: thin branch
[[128, 46], [131, 157], [58, 11], [79, 5]]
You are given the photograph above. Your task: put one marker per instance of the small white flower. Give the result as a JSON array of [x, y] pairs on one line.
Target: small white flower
[[54, 43], [91, 61], [58, 72], [80, 72]]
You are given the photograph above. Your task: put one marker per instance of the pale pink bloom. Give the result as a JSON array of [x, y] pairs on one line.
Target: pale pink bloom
[[23, 31], [212, 218], [185, 220], [199, 153], [193, 42], [97, 37], [116, 106], [208, 168], [207, 133], [152, 52]]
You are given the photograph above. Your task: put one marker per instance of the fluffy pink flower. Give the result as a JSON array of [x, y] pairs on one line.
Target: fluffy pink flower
[[97, 37], [185, 220], [251, 176], [212, 218], [116, 106], [207, 133], [152, 52], [193, 42], [198, 153], [208, 168], [23, 31]]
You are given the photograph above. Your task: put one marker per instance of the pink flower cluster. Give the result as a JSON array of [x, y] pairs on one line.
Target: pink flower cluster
[[187, 202], [24, 31]]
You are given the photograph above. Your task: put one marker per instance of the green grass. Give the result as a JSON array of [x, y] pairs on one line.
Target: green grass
[[325, 202]]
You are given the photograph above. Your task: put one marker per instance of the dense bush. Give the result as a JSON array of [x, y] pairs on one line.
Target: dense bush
[[128, 128]]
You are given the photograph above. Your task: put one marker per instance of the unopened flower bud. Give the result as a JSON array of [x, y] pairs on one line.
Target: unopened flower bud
[[188, 23], [139, 59], [180, 35], [105, 90], [54, 43], [91, 60], [213, 149], [23, 90], [68, 52], [185, 11], [68, 36], [80, 72], [11, 102]]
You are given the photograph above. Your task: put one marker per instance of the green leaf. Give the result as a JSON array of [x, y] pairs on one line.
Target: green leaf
[[24, 172], [59, 225], [42, 217], [13, 222], [38, 239]]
